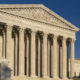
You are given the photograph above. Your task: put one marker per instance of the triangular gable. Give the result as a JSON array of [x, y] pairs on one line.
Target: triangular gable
[[38, 12]]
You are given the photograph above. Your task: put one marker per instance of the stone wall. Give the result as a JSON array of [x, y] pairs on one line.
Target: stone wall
[[77, 68]]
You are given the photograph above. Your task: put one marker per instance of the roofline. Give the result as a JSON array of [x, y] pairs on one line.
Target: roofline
[[20, 5], [42, 6], [61, 18]]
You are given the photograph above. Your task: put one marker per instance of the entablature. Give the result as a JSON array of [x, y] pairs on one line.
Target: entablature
[[27, 23]]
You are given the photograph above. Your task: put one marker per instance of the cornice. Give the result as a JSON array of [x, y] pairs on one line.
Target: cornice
[[20, 5], [24, 6]]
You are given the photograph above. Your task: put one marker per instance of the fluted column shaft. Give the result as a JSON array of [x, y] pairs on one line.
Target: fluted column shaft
[[44, 57], [39, 53], [61, 60], [21, 51], [72, 58], [55, 58], [9, 54], [64, 46], [27, 54], [8, 43], [33, 54], [16, 53], [48, 50], [3, 52]]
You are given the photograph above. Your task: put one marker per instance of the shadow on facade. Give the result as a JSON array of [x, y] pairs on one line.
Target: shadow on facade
[[76, 79]]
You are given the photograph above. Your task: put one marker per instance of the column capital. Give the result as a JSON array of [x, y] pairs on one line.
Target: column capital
[[50, 35], [45, 34], [33, 31], [8, 26], [21, 29], [3, 32], [27, 30], [72, 40], [64, 38], [55, 36], [40, 33]]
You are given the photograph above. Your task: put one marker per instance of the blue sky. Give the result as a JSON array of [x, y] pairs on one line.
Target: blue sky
[[68, 9]]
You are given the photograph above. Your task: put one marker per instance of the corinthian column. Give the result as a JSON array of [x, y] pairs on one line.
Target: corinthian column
[[61, 60], [3, 52], [9, 54], [64, 46], [33, 54], [27, 55], [55, 58], [21, 51], [49, 52], [44, 57], [39, 53], [72, 58], [16, 53]]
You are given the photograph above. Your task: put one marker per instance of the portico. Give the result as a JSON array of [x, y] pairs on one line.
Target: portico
[[37, 48]]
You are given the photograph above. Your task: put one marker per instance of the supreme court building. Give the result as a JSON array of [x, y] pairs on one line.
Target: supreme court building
[[37, 42]]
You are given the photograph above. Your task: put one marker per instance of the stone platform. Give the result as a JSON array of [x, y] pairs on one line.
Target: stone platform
[[37, 78]]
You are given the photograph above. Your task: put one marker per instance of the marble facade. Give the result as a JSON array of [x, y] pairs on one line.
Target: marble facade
[[37, 42]]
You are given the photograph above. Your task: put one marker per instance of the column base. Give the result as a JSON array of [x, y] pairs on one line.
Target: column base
[[34, 76], [45, 76], [65, 78], [56, 77]]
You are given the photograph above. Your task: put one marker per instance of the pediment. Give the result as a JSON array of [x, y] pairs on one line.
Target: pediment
[[38, 13]]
